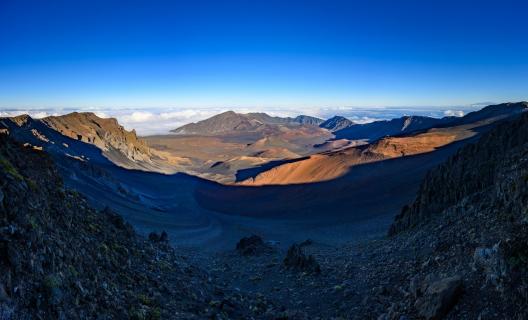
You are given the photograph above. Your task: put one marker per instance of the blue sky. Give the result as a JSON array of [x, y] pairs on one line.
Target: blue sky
[[261, 55]]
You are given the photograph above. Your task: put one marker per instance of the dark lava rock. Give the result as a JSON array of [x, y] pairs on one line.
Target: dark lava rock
[[252, 246], [3, 294], [298, 260], [114, 218], [439, 297], [163, 237], [153, 236], [62, 259], [52, 289]]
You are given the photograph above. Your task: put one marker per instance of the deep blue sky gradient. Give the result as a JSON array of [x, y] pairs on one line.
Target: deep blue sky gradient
[[265, 54]]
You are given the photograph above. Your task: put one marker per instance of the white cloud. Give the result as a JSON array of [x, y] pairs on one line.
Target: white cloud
[[138, 116], [454, 113], [101, 114], [364, 119], [145, 122], [187, 114], [37, 114], [160, 121]]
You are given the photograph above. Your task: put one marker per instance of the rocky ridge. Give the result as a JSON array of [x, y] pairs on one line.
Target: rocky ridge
[[70, 134], [105, 133]]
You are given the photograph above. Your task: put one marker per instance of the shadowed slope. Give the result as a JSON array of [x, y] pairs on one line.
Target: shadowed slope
[[378, 129], [331, 165], [473, 169], [148, 200], [366, 191]]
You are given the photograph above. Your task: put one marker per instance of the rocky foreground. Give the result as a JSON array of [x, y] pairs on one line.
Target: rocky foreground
[[61, 259], [460, 251]]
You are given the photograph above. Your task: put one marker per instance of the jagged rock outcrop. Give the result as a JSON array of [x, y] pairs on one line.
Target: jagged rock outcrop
[[71, 134], [105, 133]]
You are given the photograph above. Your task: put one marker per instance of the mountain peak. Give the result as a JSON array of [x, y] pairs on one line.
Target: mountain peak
[[304, 119], [82, 116], [336, 123], [230, 121], [228, 112]]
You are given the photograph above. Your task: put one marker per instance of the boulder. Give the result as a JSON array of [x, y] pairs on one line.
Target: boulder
[[14, 257], [164, 237], [298, 260], [154, 237], [4, 297], [252, 246], [439, 297], [117, 221]]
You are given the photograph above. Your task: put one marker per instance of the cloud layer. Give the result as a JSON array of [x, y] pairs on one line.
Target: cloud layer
[[150, 121]]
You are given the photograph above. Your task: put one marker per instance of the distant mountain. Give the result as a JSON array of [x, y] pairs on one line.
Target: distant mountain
[[407, 124], [379, 129], [267, 119], [308, 120], [336, 123], [231, 122], [414, 140], [492, 111]]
